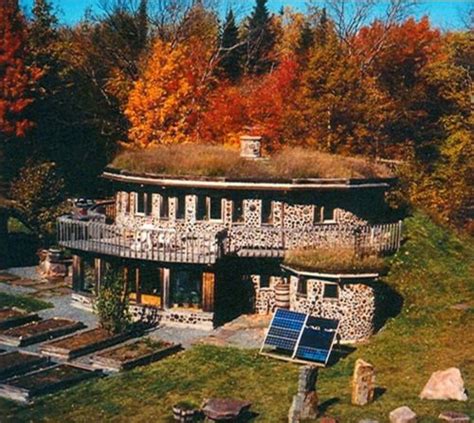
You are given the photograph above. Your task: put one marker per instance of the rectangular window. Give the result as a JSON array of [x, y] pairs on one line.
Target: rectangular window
[[148, 204], [140, 206], [317, 216], [327, 214], [180, 207], [164, 207], [238, 211], [127, 202], [331, 290], [201, 208], [267, 211], [264, 281], [214, 208], [302, 288]]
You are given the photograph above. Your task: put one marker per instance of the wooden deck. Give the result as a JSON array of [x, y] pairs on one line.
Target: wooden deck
[[181, 246]]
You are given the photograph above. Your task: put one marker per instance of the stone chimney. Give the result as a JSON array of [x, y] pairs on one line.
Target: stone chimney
[[250, 147]]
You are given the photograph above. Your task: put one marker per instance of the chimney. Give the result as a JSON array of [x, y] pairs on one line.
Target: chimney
[[250, 147]]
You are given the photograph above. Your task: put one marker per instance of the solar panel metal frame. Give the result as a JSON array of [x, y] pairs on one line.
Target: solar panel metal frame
[[293, 357]]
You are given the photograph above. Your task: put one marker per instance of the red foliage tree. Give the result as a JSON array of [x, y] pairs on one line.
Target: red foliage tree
[[16, 77]]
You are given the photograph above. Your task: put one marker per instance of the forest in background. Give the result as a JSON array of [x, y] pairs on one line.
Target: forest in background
[[147, 72]]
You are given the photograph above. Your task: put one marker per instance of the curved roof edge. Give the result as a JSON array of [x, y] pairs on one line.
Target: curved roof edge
[[331, 275], [242, 184]]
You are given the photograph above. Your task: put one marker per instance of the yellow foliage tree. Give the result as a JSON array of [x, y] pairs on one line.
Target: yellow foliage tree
[[164, 104]]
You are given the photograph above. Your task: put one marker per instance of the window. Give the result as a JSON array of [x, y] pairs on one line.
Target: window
[[267, 211], [238, 211], [201, 208], [180, 207], [264, 281], [143, 205], [186, 288], [317, 216], [164, 207], [214, 208], [127, 202], [302, 288], [327, 214], [331, 291]]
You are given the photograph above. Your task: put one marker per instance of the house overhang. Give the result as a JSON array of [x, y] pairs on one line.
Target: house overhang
[[332, 276], [222, 183]]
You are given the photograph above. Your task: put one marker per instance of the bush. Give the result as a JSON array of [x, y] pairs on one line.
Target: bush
[[334, 261], [39, 191], [112, 303]]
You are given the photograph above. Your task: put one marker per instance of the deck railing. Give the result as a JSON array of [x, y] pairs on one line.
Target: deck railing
[[165, 245], [190, 246], [269, 241]]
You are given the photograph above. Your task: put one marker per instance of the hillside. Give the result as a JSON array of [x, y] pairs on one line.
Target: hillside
[[433, 272]]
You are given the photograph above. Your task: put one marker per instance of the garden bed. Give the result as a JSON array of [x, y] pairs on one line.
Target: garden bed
[[139, 353], [15, 363], [10, 317], [25, 388], [83, 343], [35, 332]]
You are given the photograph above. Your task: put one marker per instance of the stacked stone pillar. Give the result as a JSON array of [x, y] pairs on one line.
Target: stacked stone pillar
[[305, 402], [363, 383]]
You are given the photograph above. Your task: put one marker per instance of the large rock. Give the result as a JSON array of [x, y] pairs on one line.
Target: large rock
[[445, 385], [454, 417], [363, 383], [225, 408], [402, 415], [305, 402]]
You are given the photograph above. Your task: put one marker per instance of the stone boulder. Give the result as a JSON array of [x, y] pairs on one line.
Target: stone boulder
[[363, 383], [225, 409], [402, 415], [454, 417], [445, 385], [327, 419], [305, 402]]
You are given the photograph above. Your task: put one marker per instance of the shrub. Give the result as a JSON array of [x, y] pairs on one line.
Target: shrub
[[39, 191], [341, 260], [112, 303]]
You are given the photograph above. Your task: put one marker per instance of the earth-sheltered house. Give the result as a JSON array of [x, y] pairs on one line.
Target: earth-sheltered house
[[201, 246]]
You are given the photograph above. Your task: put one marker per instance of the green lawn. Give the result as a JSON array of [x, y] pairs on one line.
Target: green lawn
[[433, 271], [22, 301]]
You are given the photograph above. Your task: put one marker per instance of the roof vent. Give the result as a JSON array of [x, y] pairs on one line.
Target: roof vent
[[250, 147]]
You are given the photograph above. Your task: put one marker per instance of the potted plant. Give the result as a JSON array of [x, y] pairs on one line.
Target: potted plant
[[185, 411], [195, 299], [178, 299]]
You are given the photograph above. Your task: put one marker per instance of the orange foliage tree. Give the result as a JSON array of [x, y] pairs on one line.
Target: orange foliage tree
[[260, 103], [164, 104], [16, 77]]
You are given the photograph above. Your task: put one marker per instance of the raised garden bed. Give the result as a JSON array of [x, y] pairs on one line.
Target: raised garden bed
[[83, 343], [135, 354], [15, 363], [35, 332], [25, 388], [10, 317]]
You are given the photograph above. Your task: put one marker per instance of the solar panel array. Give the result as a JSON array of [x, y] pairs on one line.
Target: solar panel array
[[301, 336]]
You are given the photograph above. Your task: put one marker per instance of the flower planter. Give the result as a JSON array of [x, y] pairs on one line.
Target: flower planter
[[25, 388], [11, 317], [83, 343], [138, 353], [15, 363], [35, 332]]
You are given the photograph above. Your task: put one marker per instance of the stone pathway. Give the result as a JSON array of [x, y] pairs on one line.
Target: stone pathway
[[246, 331]]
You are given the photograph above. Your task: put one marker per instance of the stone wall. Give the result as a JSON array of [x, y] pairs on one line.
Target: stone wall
[[265, 296], [355, 307]]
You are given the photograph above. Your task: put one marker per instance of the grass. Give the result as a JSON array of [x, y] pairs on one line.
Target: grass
[[219, 161], [333, 261], [433, 271], [23, 302]]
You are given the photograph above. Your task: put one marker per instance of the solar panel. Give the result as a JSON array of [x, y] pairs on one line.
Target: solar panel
[[300, 336]]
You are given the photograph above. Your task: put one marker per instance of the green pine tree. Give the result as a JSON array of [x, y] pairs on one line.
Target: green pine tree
[[231, 50], [260, 39]]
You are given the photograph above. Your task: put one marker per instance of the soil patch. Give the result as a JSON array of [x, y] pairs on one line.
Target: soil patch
[[32, 333], [10, 317], [25, 388], [135, 354], [15, 363], [83, 343]]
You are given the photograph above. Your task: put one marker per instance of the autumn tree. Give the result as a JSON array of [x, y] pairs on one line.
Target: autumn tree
[[166, 101], [16, 77], [260, 39]]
